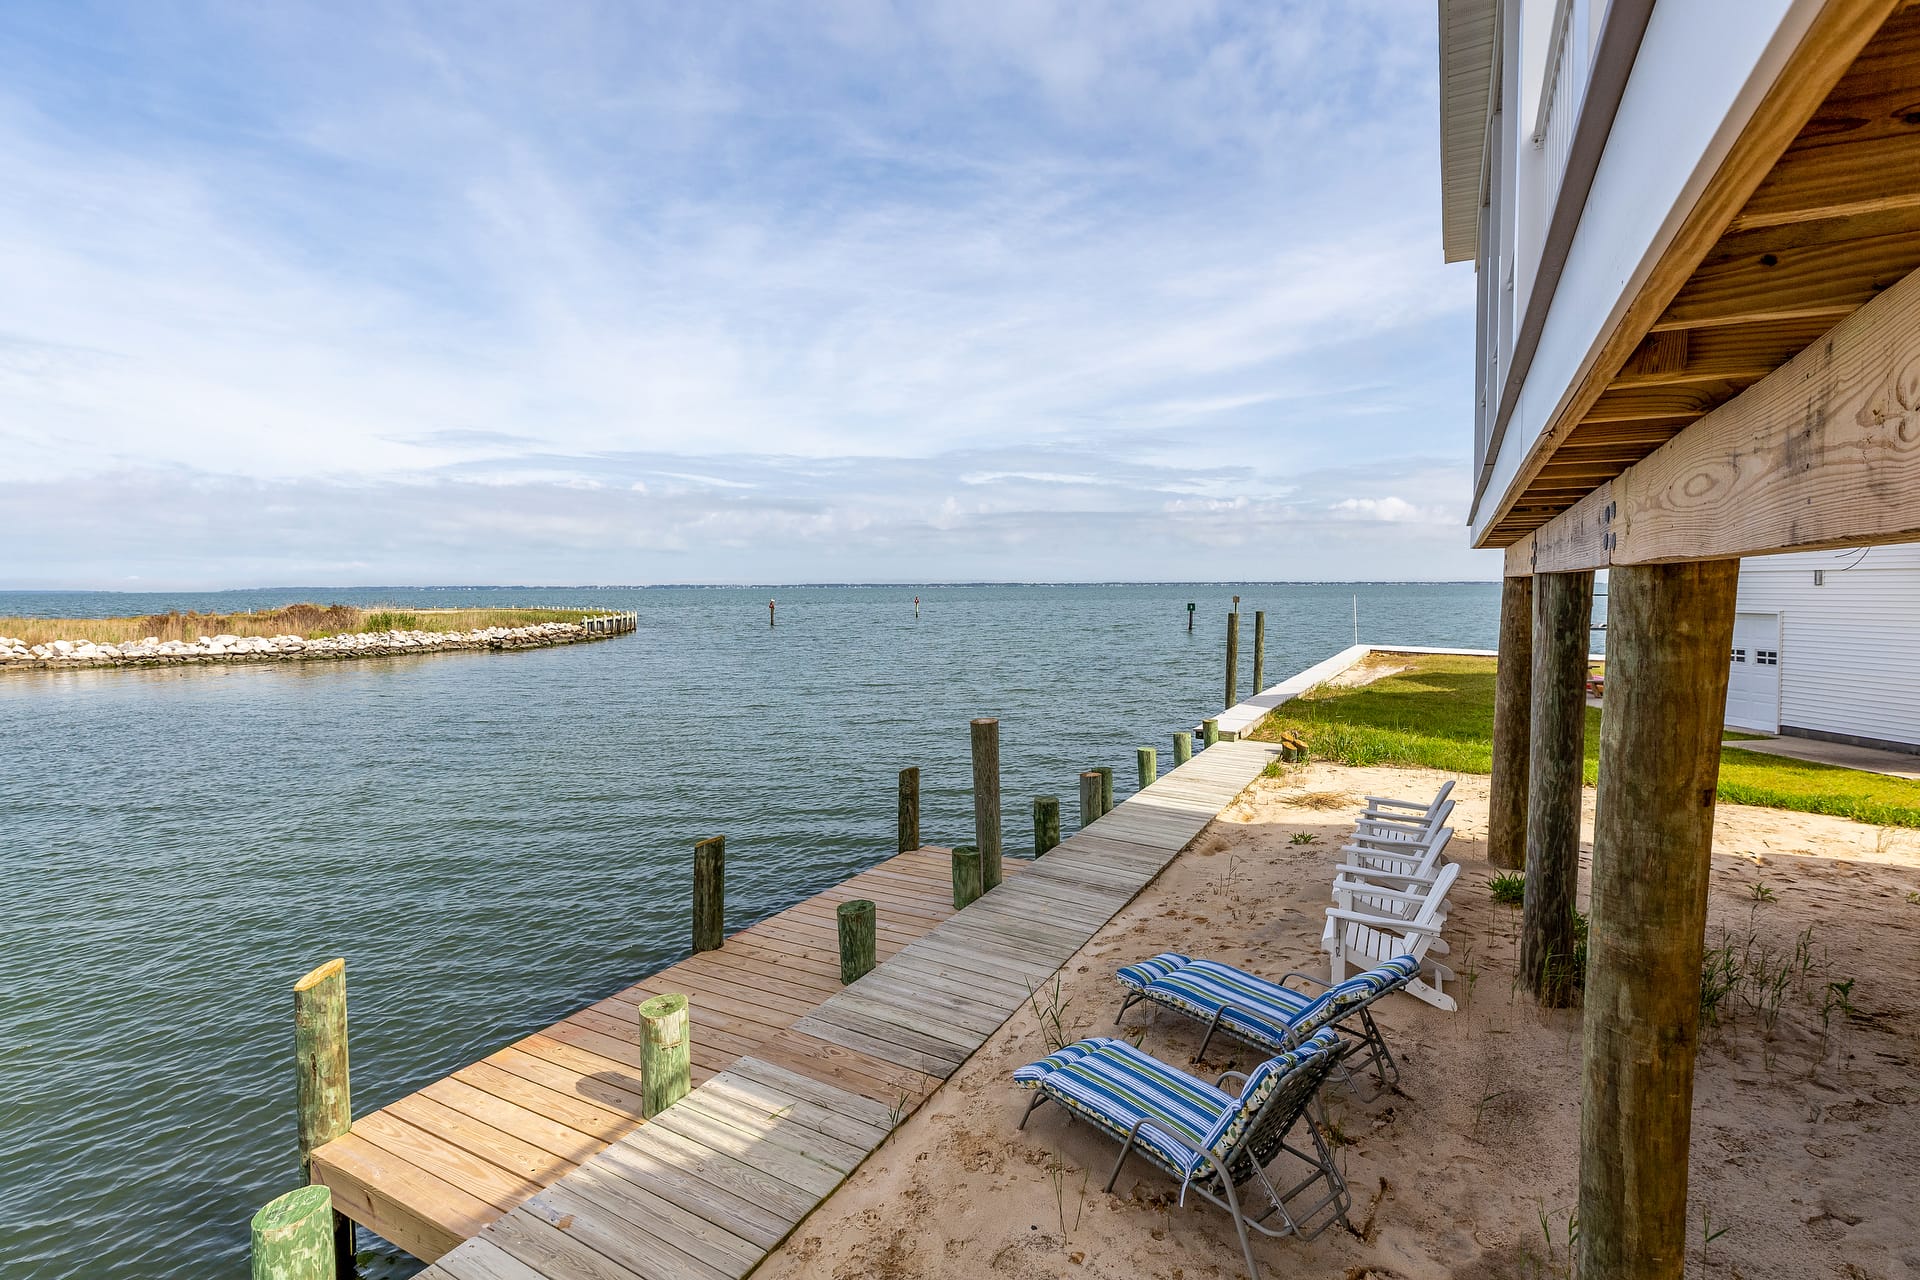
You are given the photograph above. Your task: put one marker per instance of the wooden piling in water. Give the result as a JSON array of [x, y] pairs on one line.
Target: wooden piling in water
[[966, 876], [324, 1095], [1148, 762], [1182, 748], [986, 799], [1046, 823], [710, 894], [857, 921], [1089, 798], [293, 1237], [1106, 788], [665, 1053], [1233, 659], [1259, 649], [908, 838], [1209, 732]]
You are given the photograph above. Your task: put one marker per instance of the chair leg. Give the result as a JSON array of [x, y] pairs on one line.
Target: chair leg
[[1038, 1098], [1125, 1005], [1239, 1220], [1125, 1148]]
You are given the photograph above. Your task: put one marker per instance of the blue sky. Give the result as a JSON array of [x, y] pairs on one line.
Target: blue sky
[[481, 292]]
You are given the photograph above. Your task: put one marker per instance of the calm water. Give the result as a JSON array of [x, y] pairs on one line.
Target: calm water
[[492, 840]]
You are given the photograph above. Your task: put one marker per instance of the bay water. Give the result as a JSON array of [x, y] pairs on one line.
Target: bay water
[[492, 840]]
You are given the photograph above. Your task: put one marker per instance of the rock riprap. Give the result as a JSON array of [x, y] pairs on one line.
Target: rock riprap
[[153, 651]]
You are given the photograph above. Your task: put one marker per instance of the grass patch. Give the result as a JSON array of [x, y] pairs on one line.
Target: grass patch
[[1438, 714], [309, 621]]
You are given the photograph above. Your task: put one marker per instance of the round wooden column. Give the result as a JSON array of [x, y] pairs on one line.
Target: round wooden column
[[1512, 709], [1562, 612], [1669, 629]]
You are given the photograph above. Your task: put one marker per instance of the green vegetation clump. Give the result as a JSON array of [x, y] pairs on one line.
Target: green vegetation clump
[[387, 621], [1509, 888], [1438, 714]]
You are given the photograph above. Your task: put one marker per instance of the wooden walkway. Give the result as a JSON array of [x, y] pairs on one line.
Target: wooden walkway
[[537, 1153]]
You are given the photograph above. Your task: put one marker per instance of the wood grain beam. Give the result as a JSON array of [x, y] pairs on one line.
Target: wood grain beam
[[1735, 354], [1816, 282], [1831, 46], [1823, 452]]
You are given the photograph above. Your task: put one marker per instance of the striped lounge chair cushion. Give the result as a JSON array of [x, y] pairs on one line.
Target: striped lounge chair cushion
[[1114, 1085], [1265, 1012]]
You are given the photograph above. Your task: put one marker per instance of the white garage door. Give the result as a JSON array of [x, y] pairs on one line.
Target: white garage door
[[1753, 688]]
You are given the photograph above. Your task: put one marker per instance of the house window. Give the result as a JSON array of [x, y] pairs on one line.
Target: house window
[[1739, 655], [1767, 657]]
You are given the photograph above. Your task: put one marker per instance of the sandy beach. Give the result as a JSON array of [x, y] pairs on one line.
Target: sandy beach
[[1806, 1134]]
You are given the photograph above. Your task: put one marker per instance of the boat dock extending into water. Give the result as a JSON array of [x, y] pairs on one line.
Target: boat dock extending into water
[[536, 1162]]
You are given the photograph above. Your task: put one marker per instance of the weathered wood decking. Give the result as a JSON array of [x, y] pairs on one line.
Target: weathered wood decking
[[538, 1153]]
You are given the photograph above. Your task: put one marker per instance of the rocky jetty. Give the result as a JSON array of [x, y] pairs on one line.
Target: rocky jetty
[[153, 651]]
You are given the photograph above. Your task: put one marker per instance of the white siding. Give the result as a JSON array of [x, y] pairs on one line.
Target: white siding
[[1850, 649]]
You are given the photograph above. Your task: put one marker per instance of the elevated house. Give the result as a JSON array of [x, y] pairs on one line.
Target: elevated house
[[1695, 226]]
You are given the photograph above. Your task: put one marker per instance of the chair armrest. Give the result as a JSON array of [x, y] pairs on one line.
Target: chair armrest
[[1318, 982], [1221, 1083], [1386, 924], [1373, 801], [1370, 873], [1381, 891]]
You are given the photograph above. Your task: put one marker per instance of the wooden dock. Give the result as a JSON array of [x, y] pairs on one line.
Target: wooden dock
[[537, 1159]]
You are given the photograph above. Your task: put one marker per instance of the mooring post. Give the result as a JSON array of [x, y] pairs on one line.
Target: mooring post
[[1669, 629], [1190, 608], [966, 875], [857, 931], [1148, 761], [710, 893], [769, 613], [986, 799], [666, 1051], [1182, 748], [1209, 732], [1259, 649], [909, 835], [1106, 788], [1562, 610], [293, 1237], [1233, 659], [1512, 716], [324, 1094], [1089, 798], [1046, 823]]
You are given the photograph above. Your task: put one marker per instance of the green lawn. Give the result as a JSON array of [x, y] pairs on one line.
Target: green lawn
[[1439, 714]]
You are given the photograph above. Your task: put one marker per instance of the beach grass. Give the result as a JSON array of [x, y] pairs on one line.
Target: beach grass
[[1437, 712], [309, 621]]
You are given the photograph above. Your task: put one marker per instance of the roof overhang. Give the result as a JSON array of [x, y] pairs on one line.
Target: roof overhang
[[1469, 51]]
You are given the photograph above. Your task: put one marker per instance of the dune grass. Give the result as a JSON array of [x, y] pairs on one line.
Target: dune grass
[[309, 621], [1438, 714]]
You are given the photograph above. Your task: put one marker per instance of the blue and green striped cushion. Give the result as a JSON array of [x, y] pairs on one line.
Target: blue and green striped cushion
[[1264, 1012]]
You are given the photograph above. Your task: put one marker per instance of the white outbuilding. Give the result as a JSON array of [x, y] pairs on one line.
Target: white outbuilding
[[1826, 644]]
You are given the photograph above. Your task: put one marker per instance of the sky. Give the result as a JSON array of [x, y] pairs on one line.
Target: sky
[[478, 292]]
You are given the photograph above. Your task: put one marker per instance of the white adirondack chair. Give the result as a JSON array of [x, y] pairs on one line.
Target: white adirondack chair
[[1376, 831], [1367, 937], [1408, 812], [1411, 868]]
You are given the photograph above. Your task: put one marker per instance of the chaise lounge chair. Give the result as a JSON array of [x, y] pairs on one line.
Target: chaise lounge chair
[[1217, 1144], [1270, 1016]]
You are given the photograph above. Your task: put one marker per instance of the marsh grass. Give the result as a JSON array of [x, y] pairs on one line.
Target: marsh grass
[[1438, 714], [309, 621]]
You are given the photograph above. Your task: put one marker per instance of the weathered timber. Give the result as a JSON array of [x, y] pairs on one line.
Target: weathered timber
[[1512, 714], [1233, 659], [1046, 823], [1670, 627], [1562, 612], [324, 1095], [710, 893], [1089, 798], [908, 838], [1147, 761], [1106, 788], [857, 933], [1209, 732], [966, 876], [1259, 650], [1182, 748], [986, 799], [666, 1046]]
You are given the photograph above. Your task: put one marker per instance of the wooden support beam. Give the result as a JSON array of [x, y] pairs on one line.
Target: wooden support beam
[[1512, 713], [1557, 737], [1670, 627], [1824, 452], [1824, 281], [1832, 42]]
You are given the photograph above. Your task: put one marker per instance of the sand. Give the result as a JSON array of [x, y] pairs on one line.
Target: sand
[[1806, 1137]]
